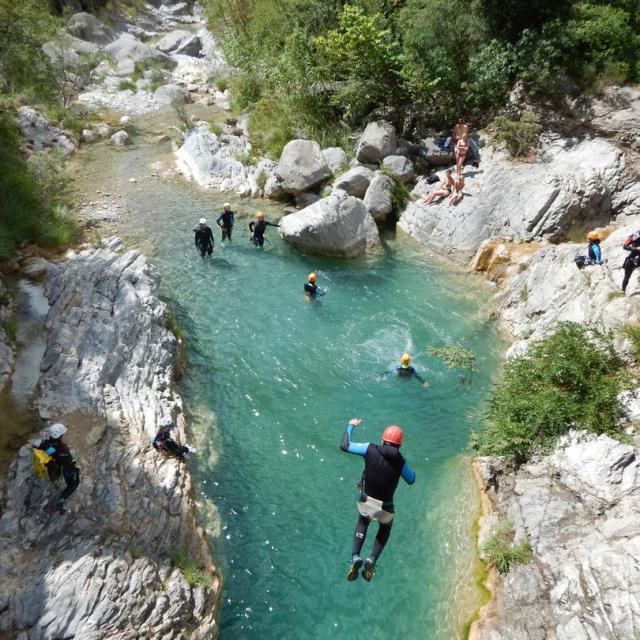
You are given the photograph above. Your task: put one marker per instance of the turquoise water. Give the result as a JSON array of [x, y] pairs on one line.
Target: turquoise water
[[271, 382]]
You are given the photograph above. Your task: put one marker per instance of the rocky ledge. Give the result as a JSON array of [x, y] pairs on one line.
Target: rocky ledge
[[104, 569], [578, 508]]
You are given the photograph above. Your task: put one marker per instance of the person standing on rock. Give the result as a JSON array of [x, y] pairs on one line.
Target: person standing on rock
[[405, 370], [384, 465], [203, 238], [164, 443], [631, 244], [258, 227], [311, 289], [461, 131], [60, 456], [225, 221]]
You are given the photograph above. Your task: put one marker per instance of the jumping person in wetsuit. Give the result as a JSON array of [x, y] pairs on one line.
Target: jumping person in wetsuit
[[62, 457], [258, 227], [312, 289], [164, 443], [631, 244], [594, 252], [405, 370], [383, 468], [226, 221], [203, 238]]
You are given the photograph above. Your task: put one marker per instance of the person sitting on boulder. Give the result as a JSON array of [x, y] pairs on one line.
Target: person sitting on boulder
[[594, 252], [61, 456], [203, 238], [258, 227], [226, 221], [631, 244], [458, 186], [443, 190], [164, 443]]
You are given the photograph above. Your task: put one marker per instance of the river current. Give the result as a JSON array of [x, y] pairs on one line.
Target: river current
[[272, 380]]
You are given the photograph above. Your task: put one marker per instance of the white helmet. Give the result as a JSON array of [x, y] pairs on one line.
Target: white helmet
[[226, 205], [166, 421], [203, 221], [57, 430]]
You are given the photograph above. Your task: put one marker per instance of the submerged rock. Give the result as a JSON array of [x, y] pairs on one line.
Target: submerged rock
[[338, 225], [302, 166]]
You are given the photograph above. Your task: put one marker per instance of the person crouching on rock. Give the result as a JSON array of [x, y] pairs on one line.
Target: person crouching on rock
[[61, 456], [164, 443], [593, 251], [311, 289], [631, 244], [258, 227], [203, 238], [383, 468], [226, 221]]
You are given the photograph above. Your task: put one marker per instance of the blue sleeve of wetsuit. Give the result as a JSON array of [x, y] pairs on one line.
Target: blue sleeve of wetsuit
[[597, 253], [50, 451], [408, 474], [357, 448]]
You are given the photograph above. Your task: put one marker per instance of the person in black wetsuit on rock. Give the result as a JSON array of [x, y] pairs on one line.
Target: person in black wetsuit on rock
[[203, 238], [164, 443], [62, 457], [258, 227], [631, 244], [311, 289], [405, 370], [226, 221], [384, 465]]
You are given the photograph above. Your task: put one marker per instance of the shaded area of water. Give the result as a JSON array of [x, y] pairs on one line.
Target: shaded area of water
[[272, 381]]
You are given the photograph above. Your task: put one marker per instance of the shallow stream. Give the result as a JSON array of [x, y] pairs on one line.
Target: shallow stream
[[273, 379]]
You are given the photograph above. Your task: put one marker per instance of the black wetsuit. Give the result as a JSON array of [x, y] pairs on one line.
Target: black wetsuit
[[164, 442], [631, 244], [61, 455], [384, 465], [257, 228], [204, 239], [313, 290], [226, 221]]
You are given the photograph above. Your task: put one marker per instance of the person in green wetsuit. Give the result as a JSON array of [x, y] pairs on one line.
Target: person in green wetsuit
[[405, 370]]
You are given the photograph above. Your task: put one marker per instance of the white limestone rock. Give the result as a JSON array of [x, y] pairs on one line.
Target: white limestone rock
[[38, 135], [302, 166], [120, 139], [400, 168], [355, 181], [377, 142], [336, 158], [378, 197]]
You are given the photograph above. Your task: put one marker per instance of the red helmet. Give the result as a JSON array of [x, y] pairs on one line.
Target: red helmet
[[393, 435]]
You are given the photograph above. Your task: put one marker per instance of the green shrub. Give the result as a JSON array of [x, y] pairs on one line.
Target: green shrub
[[10, 327], [500, 551], [215, 128], [221, 84], [519, 136], [399, 197], [58, 228], [195, 575], [123, 85], [262, 179], [66, 118], [570, 379], [612, 295], [632, 333], [271, 126]]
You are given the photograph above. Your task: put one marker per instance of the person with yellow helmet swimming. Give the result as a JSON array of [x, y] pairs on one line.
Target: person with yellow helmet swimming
[[311, 289], [258, 227], [405, 370]]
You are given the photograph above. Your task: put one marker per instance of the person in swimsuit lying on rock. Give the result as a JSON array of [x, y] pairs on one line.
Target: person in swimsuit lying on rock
[[443, 190], [164, 443], [384, 465]]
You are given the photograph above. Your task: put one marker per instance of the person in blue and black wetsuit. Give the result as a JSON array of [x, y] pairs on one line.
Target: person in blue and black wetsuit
[[594, 251], [258, 227], [164, 443], [384, 465], [226, 221], [405, 370], [311, 289]]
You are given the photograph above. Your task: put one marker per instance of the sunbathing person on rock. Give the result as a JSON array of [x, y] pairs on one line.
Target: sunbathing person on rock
[[443, 190]]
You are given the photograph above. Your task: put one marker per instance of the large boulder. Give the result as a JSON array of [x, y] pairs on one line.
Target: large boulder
[[302, 166], [335, 158], [172, 94], [573, 184], [378, 141], [180, 41], [431, 152], [38, 135], [87, 27], [355, 181], [378, 197], [400, 167], [128, 46], [338, 225]]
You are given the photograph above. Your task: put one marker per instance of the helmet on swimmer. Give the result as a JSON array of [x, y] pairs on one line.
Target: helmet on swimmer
[[260, 215], [313, 277], [203, 221], [593, 235], [226, 205], [405, 359], [393, 435], [57, 430]]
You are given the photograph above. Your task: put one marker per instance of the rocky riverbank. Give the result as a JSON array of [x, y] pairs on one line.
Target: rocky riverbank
[[105, 568]]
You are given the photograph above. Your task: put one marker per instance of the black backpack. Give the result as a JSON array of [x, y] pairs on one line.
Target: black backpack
[[581, 261]]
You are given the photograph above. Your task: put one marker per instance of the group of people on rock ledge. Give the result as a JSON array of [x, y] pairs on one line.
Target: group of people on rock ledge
[[462, 145]]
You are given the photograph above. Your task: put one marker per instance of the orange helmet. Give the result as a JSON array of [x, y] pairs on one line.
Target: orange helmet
[[593, 235], [312, 277], [393, 435]]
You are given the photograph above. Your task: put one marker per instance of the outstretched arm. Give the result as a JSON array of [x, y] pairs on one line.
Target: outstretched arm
[[271, 224], [408, 474], [358, 448]]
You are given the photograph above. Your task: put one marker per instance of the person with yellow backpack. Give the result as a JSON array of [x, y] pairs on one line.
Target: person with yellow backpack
[[52, 458]]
